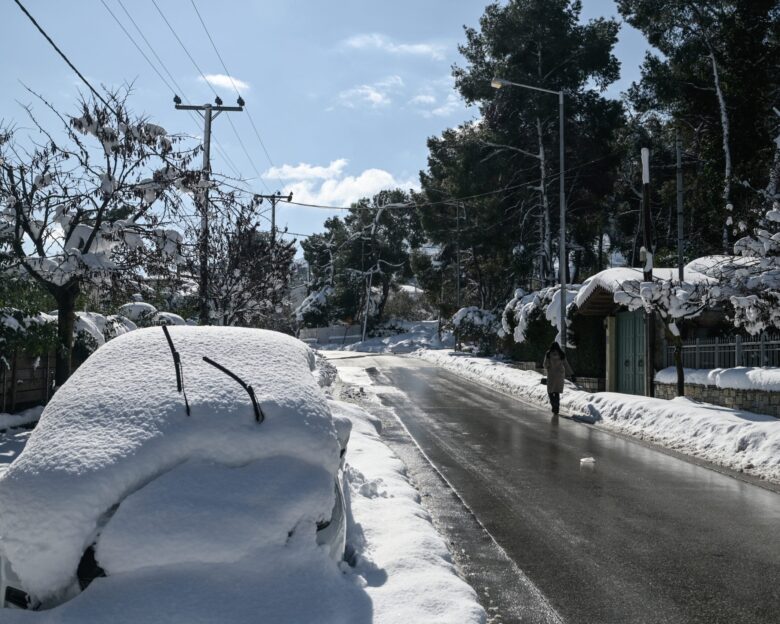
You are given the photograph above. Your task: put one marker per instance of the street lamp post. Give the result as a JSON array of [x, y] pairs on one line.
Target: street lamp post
[[497, 83]]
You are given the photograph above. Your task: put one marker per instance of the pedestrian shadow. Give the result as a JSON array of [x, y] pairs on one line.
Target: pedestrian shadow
[[591, 417]]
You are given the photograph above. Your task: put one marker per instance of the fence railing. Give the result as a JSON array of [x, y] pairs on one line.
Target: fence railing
[[335, 334], [727, 352]]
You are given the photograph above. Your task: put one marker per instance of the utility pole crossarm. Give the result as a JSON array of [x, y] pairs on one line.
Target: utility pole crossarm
[[215, 109]]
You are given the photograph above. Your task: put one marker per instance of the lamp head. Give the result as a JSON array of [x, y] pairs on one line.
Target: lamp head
[[497, 83]]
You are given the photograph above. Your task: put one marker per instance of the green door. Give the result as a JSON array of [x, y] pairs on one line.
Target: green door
[[631, 352]]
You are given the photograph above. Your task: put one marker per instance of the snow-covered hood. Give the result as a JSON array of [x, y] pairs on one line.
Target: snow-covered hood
[[119, 423]]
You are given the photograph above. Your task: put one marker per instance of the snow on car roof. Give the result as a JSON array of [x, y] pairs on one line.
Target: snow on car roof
[[119, 422]]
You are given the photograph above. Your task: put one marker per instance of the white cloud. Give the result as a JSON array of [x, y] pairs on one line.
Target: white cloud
[[452, 104], [375, 41], [429, 105], [225, 82], [376, 94], [423, 98], [305, 171], [328, 186]]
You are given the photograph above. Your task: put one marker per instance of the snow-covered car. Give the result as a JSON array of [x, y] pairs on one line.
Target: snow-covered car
[[173, 448]]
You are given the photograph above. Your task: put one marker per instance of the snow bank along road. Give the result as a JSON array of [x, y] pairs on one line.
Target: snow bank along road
[[636, 536]]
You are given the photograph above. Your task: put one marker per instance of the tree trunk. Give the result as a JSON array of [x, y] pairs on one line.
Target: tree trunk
[[66, 320], [545, 203], [727, 174], [678, 365]]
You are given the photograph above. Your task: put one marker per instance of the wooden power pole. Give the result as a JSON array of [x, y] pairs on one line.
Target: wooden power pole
[[209, 112], [274, 199], [648, 272]]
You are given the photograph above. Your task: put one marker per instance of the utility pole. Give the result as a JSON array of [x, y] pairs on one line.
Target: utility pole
[[274, 199], [209, 112], [457, 255], [563, 263], [457, 271], [648, 272], [680, 191]]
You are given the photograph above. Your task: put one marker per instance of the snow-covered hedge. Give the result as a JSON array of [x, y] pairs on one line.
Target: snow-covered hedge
[[739, 378], [524, 308], [37, 334], [476, 325]]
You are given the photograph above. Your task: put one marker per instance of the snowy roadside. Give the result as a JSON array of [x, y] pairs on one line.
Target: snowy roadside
[[737, 440], [408, 571]]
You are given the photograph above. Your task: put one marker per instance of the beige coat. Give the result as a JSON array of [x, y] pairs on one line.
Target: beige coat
[[557, 370]]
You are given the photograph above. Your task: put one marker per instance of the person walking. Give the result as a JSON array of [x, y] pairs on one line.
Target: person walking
[[557, 367]]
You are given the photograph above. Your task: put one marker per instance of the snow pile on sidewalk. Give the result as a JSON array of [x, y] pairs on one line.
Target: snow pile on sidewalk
[[740, 378], [27, 417], [738, 440], [12, 442], [408, 571], [119, 423], [412, 336]]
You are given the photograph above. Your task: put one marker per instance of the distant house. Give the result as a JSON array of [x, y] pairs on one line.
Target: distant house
[[623, 331]]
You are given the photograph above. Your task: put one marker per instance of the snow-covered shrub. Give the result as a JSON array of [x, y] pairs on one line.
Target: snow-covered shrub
[[34, 335], [407, 303], [141, 313], [755, 283], [477, 326], [524, 309], [313, 309]]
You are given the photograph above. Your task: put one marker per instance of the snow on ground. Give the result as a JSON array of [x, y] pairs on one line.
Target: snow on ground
[[740, 378], [413, 336], [407, 569], [27, 417], [11, 444], [735, 439]]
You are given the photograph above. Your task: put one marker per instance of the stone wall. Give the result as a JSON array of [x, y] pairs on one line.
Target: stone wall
[[589, 384], [531, 366], [756, 401], [592, 384]]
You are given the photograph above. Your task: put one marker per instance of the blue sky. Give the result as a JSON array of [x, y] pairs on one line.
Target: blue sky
[[343, 93]]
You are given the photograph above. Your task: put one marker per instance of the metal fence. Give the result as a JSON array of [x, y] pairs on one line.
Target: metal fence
[[333, 335], [727, 352]]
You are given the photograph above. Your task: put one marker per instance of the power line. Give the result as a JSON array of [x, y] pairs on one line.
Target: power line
[[222, 152], [62, 54], [203, 76], [230, 76], [103, 2], [183, 47]]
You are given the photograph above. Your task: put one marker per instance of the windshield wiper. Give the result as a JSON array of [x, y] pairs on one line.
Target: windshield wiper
[[177, 366], [259, 416]]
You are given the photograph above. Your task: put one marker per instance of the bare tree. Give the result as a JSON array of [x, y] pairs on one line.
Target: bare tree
[[90, 201]]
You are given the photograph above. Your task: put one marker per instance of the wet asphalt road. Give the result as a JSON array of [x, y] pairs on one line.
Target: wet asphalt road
[[638, 536]]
